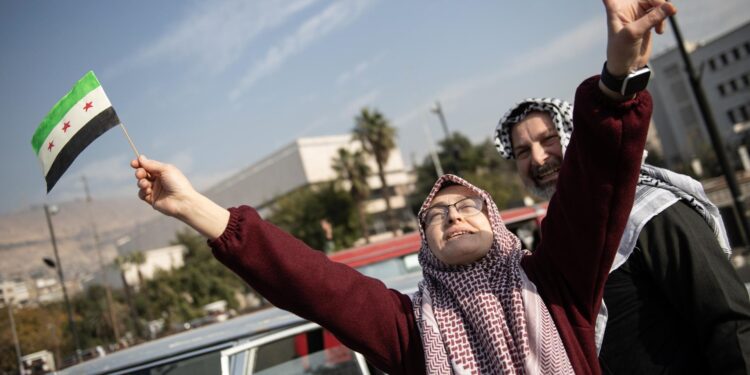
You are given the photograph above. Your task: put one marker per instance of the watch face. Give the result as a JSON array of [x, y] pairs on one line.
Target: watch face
[[635, 82]]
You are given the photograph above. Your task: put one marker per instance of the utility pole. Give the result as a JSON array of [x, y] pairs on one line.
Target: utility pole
[[107, 288], [433, 154], [454, 151], [713, 133], [58, 266], [9, 304]]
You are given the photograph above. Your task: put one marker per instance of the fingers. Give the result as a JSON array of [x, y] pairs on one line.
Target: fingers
[[151, 166], [654, 18]]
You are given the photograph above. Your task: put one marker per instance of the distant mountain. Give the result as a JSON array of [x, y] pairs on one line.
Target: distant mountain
[[25, 237]]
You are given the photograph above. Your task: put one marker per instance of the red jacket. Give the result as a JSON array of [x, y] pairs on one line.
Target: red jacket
[[581, 234]]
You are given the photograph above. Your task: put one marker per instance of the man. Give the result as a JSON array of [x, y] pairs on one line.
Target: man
[[672, 303]]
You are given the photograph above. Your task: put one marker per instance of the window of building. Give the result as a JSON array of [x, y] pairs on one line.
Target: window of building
[[720, 87], [746, 80], [744, 116], [736, 53], [712, 64], [724, 59], [733, 85], [732, 117], [747, 47]]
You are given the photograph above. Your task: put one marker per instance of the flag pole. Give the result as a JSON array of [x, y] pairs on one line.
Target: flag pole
[[132, 145]]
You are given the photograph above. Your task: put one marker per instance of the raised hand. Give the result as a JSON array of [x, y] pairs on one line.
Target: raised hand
[[162, 186], [165, 188], [629, 25]]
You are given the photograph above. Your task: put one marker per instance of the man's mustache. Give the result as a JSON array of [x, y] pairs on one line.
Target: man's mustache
[[548, 166]]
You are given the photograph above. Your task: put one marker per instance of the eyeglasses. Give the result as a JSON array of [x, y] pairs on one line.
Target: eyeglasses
[[436, 215]]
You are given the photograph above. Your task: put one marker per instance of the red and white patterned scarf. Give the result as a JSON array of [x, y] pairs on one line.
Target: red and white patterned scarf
[[485, 317]]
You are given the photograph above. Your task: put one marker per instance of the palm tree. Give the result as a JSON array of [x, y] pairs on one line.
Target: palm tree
[[353, 168], [378, 138]]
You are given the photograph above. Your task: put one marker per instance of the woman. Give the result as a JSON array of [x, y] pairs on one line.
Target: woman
[[485, 306]]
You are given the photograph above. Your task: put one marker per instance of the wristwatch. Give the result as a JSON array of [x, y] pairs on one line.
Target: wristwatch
[[632, 83]]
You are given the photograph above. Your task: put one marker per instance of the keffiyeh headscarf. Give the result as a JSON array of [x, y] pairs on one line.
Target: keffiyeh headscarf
[[560, 111], [657, 188], [484, 317]]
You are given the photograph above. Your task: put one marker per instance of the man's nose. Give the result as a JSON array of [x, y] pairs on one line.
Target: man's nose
[[538, 155]]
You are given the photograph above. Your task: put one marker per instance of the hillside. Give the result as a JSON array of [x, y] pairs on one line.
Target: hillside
[[25, 237]]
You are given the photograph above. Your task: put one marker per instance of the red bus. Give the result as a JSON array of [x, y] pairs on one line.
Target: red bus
[[398, 256]]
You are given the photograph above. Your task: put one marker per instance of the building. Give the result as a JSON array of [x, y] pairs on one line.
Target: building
[[304, 162], [724, 65], [154, 260], [48, 290], [15, 292], [308, 161]]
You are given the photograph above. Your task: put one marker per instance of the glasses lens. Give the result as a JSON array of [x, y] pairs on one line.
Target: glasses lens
[[469, 206], [434, 216]]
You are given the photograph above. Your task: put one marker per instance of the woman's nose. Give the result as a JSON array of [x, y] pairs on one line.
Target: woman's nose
[[453, 214]]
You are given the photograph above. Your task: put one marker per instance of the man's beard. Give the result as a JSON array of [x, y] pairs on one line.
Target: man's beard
[[543, 191]]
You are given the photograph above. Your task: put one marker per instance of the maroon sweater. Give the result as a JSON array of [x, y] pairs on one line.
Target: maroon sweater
[[581, 233]]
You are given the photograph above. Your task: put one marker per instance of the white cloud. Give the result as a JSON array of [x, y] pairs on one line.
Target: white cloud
[[214, 35], [565, 47], [333, 17], [357, 70]]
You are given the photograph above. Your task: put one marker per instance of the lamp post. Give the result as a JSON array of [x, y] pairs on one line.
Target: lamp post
[[58, 266], [713, 133], [107, 289], [15, 335], [454, 152]]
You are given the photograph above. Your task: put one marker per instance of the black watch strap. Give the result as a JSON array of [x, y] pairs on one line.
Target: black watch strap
[[628, 85], [611, 82]]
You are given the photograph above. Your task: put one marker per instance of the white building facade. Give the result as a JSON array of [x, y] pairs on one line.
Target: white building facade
[[304, 162], [308, 161], [724, 68]]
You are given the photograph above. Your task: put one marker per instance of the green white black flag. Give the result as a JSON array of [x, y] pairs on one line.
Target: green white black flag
[[81, 116]]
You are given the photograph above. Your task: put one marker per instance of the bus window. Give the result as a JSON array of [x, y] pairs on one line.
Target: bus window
[[312, 352], [202, 364]]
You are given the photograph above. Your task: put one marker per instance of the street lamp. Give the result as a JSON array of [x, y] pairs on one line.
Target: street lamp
[[713, 133], [453, 149], [48, 212], [9, 305]]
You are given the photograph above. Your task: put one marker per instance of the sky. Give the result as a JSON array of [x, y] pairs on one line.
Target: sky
[[213, 86]]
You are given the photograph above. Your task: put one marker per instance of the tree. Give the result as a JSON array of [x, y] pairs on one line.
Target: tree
[[353, 168], [300, 212], [378, 138], [480, 164], [38, 328]]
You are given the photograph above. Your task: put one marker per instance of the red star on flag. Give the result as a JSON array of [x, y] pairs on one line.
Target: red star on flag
[[88, 106], [66, 125], [50, 145]]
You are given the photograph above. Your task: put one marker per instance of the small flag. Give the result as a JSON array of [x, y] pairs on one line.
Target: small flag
[[81, 116]]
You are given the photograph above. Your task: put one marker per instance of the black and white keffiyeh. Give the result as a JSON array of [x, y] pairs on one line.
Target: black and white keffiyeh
[[560, 111]]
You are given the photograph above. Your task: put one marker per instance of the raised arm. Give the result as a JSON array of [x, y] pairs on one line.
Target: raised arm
[[596, 186], [361, 311]]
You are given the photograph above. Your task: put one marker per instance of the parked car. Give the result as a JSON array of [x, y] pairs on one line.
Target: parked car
[[274, 341], [270, 341]]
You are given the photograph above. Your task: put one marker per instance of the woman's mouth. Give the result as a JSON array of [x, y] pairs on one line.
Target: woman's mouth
[[457, 234]]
